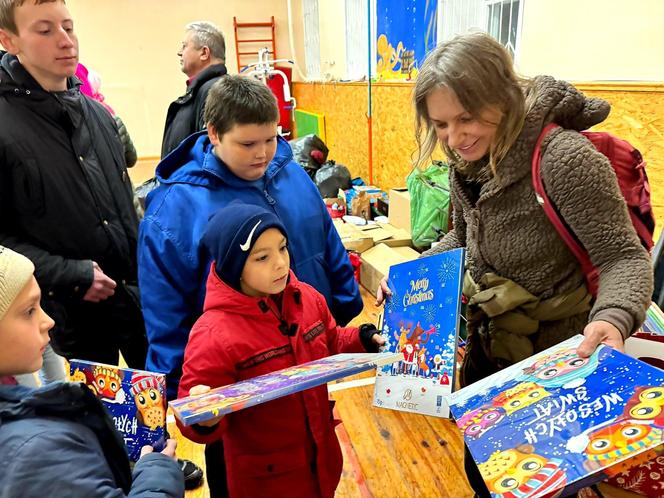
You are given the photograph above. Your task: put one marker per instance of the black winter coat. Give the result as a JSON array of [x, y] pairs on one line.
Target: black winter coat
[[65, 195], [185, 115]]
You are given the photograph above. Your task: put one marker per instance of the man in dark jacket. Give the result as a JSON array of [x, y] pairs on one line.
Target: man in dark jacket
[[202, 57], [65, 195]]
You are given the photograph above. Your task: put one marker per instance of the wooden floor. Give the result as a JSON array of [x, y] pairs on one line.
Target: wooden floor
[[387, 454]]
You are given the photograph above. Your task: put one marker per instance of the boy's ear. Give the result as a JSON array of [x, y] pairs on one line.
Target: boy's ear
[[8, 41], [212, 134]]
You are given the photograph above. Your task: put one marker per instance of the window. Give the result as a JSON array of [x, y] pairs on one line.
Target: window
[[500, 18], [503, 22], [312, 38], [357, 38], [459, 16]]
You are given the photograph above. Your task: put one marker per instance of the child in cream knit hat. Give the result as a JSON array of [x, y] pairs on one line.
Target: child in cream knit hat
[[16, 273], [23, 324], [62, 430]]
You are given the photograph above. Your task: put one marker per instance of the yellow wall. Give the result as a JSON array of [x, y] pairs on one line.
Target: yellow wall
[[593, 39], [637, 115], [133, 45]]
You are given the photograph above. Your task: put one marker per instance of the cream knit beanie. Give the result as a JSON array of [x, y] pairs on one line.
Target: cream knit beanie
[[15, 271]]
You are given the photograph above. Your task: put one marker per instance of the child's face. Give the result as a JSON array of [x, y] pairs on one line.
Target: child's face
[[24, 332], [267, 267], [246, 149], [45, 44], [468, 136]]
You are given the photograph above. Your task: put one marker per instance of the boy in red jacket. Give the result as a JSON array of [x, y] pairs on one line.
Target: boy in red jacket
[[259, 318]]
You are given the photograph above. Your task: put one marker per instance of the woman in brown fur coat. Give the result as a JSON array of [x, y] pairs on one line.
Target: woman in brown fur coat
[[469, 99]]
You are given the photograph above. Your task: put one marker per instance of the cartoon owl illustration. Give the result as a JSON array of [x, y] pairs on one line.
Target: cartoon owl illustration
[[150, 403], [613, 442], [563, 368], [520, 396], [520, 473], [107, 382], [476, 422], [646, 404]]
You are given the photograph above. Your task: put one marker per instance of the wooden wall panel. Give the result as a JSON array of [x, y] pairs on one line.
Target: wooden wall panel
[[637, 115], [345, 110]]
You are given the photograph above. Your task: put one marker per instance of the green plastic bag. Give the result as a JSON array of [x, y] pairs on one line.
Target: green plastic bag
[[429, 203]]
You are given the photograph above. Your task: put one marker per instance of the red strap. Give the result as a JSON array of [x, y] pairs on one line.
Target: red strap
[[589, 271]]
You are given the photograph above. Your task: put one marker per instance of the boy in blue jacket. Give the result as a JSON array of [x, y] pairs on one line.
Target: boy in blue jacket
[[240, 157]]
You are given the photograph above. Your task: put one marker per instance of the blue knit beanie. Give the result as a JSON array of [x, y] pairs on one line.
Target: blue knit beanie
[[231, 233]]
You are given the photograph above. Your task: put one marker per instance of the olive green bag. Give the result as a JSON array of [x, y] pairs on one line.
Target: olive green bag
[[429, 203]]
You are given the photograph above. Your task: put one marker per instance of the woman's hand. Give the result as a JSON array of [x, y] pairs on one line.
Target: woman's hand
[[382, 292], [600, 332]]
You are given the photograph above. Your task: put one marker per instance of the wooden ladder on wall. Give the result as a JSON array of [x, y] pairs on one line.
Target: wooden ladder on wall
[[255, 26]]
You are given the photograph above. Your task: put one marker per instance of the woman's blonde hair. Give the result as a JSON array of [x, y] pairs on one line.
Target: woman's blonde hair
[[480, 72]]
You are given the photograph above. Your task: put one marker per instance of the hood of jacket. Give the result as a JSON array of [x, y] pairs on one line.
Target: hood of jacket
[[194, 162], [20, 402], [550, 101]]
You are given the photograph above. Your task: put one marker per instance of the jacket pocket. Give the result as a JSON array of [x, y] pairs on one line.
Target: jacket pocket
[[28, 189], [278, 464]]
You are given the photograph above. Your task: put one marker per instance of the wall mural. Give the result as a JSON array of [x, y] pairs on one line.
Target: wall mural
[[406, 31]]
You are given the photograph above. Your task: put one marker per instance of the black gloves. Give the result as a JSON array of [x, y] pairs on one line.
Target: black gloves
[[367, 331]]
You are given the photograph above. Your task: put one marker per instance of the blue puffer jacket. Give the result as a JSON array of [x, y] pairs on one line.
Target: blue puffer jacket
[[172, 264], [59, 441]]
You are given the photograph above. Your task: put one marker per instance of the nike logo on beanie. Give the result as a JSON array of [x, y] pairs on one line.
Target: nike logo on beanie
[[247, 244]]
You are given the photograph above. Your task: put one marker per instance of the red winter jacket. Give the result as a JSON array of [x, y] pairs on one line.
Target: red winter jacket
[[286, 447]]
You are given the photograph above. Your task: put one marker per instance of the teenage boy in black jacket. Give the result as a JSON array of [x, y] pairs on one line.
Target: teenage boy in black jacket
[[65, 195]]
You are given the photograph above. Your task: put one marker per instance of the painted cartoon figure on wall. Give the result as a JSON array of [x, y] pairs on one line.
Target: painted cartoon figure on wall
[[406, 31], [388, 58]]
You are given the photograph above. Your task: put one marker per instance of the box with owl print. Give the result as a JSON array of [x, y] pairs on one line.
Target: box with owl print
[[136, 400], [555, 423]]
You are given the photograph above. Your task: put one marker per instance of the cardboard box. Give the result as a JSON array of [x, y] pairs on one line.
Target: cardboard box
[[376, 263], [352, 238], [652, 352], [387, 234], [399, 211]]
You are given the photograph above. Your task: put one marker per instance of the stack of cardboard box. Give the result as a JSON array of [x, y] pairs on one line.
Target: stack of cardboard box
[[381, 245]]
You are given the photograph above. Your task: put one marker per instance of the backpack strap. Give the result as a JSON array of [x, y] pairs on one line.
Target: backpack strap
[[571, 241]]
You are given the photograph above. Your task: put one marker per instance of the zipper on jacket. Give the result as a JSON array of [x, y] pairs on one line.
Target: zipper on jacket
[[269, 198], [284, 327]]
